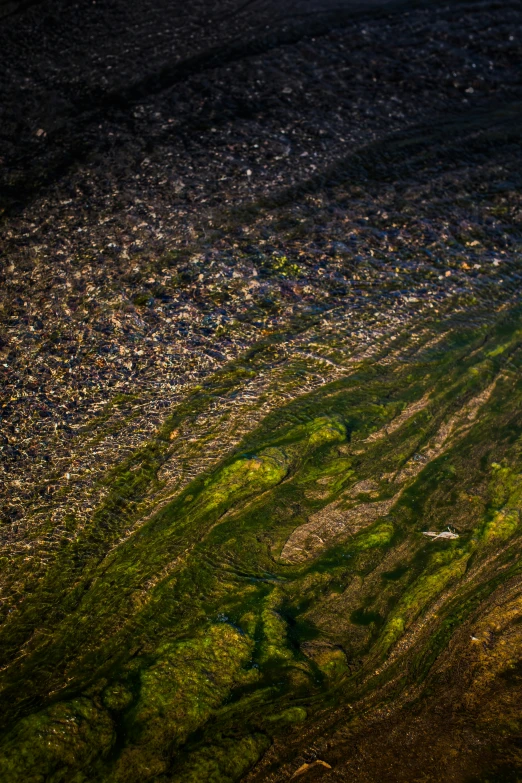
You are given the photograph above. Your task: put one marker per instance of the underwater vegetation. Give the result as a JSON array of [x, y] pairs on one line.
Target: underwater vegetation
[[290, 590], [233, 582]]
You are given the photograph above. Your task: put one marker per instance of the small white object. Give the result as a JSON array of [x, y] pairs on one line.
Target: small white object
[[447, 534]]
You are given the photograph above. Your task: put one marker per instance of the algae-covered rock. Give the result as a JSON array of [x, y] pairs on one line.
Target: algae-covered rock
[[224, 763], [445, 567], [178, 693], [381, 535], [245, 477], [505, 485], [273, 646], [291, 715], [57, 744], [502, 526], [325, 430], [116, 697], [330, 659], [506, 504]]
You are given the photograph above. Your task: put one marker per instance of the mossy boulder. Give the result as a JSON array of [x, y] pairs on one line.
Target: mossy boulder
[[245, 477], [178, 693], [57, 744]]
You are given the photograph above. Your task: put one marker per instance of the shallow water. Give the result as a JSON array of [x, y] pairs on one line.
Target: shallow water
[[252, 591], [189, 646]]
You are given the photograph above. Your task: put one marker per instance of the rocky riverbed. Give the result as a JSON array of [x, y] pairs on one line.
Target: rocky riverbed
[[260, 330]]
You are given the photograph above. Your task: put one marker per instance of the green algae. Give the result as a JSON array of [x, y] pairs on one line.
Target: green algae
[[177, 694], [325, 430], [291, 715], [380, 535], [224, 763], [190, 627], [502, 526], [503, 519], [244, 478], [444, 568], [117, 697], [273, 646], [57, 744]]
